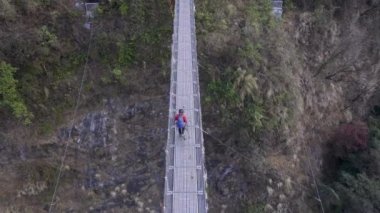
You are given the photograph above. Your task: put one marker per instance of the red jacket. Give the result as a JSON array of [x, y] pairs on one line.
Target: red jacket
[[183, 116]]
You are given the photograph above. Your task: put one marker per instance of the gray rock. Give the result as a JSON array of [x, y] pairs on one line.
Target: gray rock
[[270, 191]]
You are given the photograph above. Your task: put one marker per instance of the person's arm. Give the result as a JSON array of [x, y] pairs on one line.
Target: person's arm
[[176, 119], [185, 119]]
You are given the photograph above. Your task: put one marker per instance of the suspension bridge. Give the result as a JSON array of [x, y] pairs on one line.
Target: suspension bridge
[[185, 178]]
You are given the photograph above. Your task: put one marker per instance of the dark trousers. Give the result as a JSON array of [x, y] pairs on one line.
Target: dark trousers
[[181, 130]]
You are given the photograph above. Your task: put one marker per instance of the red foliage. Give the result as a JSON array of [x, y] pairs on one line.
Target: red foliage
[[352, 137]]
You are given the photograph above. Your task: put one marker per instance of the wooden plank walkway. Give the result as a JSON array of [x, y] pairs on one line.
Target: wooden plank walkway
[[185, 179]]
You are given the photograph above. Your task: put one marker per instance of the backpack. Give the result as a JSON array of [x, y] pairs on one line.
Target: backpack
[[180, 122]]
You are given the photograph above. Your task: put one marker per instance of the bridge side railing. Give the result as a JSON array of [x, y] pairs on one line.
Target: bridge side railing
[[200, 150], [169, 151]]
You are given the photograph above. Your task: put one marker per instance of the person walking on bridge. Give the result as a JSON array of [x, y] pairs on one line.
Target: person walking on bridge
[[181, 121]]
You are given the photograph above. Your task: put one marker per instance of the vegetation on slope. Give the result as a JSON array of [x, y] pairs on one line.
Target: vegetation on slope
[[45, 43], [44, 46], [249, 98], [244, 69], [352, 176], [43, 49], [274, 93]]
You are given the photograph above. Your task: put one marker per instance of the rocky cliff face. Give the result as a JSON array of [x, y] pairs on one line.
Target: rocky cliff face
[[340, 44], [115, 161]]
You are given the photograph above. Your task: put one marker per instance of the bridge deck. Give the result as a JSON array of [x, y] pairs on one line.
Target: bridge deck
[[185, 178], [277, 8]]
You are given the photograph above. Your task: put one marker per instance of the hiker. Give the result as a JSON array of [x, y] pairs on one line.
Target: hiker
[[181, 121]]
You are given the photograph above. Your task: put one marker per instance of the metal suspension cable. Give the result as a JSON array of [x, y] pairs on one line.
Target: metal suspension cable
[[313, 176], [72, 122], [247, 158]]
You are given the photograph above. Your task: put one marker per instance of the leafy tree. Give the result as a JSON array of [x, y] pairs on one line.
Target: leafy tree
[[354, 182], [350, 138], [359, 193], [9, 95]]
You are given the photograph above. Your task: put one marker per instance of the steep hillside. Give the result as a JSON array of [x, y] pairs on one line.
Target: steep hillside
[[115, 158], [286, 100], [291, 106]]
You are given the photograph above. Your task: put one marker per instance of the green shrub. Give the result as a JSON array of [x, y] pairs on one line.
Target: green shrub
[[255, 208], [236, 99], [289, 5], [374, 132], [359, 192], [104, 48], [77, 59], [205, 19], [251, 52], [322, 16], [149, 37], [117, 74], [126, 53], [7, 10], [259, 15], [28, 6], [45, 128], [245, 84], [123, 8], [46, 2], [47, 37], [32, 172], [223, 94], [255, 115], [280, 110], [10, 96]]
